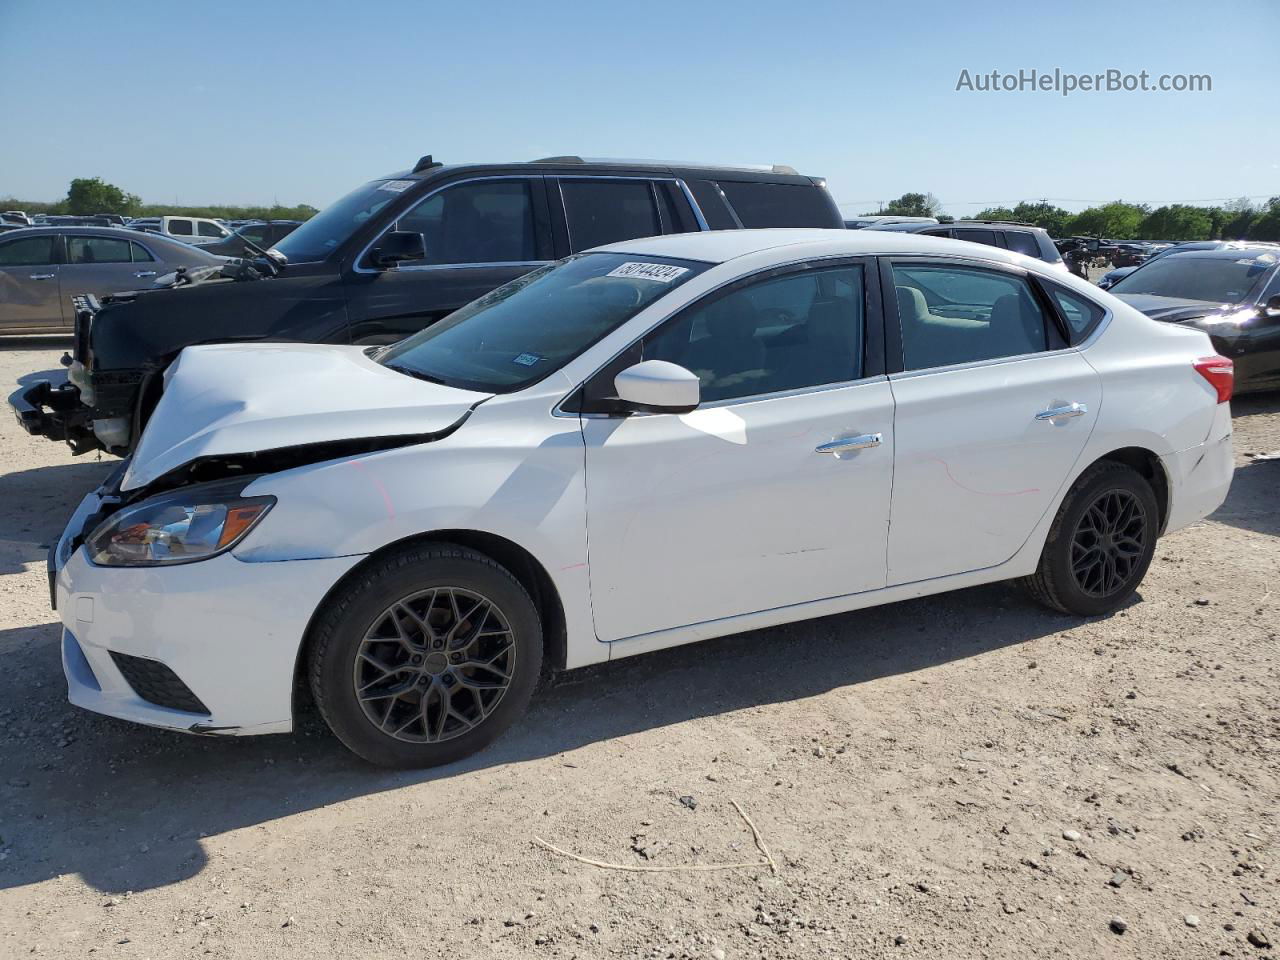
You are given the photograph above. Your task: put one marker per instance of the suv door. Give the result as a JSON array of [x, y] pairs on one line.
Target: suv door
[[30, 300], [479, 234], [979, 360], [775, 491], [593, 211]]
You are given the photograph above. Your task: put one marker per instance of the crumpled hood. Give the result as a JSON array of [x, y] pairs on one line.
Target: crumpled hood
[[247, 398], [1171, 309]]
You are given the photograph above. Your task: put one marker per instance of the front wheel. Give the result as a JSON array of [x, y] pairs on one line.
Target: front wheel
[[1101, 542], [425, 657]]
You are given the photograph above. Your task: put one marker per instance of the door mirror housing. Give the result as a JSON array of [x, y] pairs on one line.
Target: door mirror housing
[[656, 386], [398, 246], [1271, 309]]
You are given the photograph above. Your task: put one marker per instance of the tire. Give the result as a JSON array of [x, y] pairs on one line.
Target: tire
[[474, 672], [1113, 507]]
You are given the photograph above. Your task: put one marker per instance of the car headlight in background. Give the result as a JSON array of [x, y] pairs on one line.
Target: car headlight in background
[[181, 526]]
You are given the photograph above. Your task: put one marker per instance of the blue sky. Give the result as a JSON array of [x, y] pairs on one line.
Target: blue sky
[[298, 102]]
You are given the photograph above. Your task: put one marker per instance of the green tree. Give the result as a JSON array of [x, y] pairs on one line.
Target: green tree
[[1177, 221], [995, 213], [1116, 220], [914, 205], [1267, 226], [93, 195]]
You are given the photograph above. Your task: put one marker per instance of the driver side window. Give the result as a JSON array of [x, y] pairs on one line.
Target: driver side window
[[482, 222], [799, 330]]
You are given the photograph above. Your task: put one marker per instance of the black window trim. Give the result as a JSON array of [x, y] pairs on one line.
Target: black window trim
[[534, 180], [894, 361], [873, 345]]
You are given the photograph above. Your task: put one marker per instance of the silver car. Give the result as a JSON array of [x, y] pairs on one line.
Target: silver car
[[43, 268]]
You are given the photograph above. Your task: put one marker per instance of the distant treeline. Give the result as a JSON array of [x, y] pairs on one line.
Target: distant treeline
[[92, 195]]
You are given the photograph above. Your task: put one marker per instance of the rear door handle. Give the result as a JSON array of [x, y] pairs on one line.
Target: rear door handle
[[145, 273], [1067, 410], [43, 276], [849, 443]]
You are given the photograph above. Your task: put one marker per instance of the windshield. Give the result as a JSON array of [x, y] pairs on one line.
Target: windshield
[[534, 325], [323, 233], [1211, 279]]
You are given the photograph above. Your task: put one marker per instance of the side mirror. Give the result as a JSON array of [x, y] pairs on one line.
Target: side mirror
[[656, 386], [1271, 309], [398, 246]]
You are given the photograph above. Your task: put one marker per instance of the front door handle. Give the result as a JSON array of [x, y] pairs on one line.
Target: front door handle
[[145, 273], [849, 443], [1066, 410], [43, 276]]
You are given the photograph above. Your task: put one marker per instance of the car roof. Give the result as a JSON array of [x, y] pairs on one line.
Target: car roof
[[1232, 252], [122, 233], [720, 246], [569, 166]]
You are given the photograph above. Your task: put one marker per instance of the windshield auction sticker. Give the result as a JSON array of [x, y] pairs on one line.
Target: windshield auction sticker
[[657, 272], [396, 186]]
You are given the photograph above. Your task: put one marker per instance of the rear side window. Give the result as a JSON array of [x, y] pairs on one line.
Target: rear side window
[[1021, 242], [97, 250], [606, 211], [978, 236], [1081, 315], [488, 221], [27, 252], [936, 233], [712, 203], [209, 229], [781, 205], [787, 333], [180, 228], [953, 314]]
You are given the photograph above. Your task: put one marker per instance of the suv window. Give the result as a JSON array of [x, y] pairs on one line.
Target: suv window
[[488, 221], [977, 236], [606, 211], [711, 202], [780, 205], [953, 314], [1019, 241], [181, 228], [1081, 315], [207, 229], [97, 250], [27, 252], [786, 333], [140, 253], [944, 232]]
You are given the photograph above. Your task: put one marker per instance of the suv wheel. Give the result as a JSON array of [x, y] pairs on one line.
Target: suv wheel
[[425, 657], [1101, 542]]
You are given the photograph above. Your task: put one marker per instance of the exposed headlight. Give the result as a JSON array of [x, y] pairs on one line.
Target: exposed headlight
[[182, 526]]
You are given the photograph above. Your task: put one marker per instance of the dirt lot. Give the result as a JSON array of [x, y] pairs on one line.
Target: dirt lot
[[961, 776]]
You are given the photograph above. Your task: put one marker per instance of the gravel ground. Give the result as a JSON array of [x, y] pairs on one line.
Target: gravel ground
[[958, 776]]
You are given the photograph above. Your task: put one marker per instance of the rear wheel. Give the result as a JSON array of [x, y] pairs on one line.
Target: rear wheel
[[1101, 543], [425, 657]]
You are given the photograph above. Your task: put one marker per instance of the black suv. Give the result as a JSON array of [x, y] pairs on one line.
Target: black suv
[[1022, 238], [388, 259]]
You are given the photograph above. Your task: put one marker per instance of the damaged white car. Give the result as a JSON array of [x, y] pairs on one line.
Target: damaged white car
[[652, 443]]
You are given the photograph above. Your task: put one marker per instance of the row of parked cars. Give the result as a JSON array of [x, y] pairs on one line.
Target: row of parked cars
[[367, 464]]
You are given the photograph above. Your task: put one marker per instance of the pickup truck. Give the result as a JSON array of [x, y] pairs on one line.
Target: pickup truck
[[389, 258]]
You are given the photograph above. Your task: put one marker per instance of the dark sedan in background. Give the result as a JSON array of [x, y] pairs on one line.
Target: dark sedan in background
[[1232, 294], [264, 235], [43, 268]]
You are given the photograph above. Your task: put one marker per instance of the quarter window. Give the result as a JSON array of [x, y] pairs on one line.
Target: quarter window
[[482, 222], [97, 250], [140, 253], [781, 205], [978, 236], [952, 314], [180, 228], [27, 252], [787, 333], [1021, 242], [606, 211], [1081, 315]]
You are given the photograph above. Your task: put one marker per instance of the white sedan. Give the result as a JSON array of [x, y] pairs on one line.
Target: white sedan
[[648, 444]]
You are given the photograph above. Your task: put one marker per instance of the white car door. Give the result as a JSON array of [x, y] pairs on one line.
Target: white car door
[[775, 491], [992, 411]]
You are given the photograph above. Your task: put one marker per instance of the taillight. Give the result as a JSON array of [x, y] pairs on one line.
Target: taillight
[[1221, 374]]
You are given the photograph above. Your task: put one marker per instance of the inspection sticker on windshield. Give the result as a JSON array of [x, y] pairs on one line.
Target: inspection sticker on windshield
[[396, 186], [658, 272], [527, 359]]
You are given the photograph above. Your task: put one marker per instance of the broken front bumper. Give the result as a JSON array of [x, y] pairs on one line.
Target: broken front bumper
[[46, 408]]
